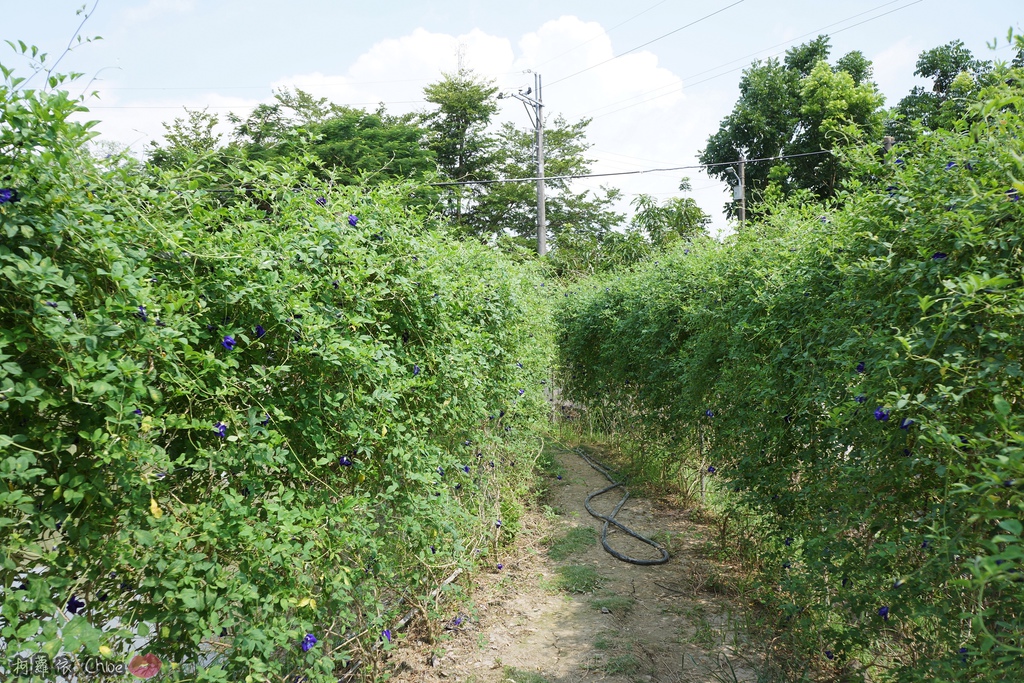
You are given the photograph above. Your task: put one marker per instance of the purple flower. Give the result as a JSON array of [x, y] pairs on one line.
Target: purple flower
[[905, 423], [883, 612], [308, 642], [711, 469], [265, 421], [924, 545], [860, 367], [387, 632], [228, 342], [939, 255], [440, 470], [522, 391], [829, 654], [891, 190], [465, 468], [861, 399], [519, 365], [559, 477], [345, 461], [138, 411], [221, 429], [950, 165], [457, 621], [500, 566], [1013, 195], [881, 415], [8, 195], [433, 550], [352, 221], [415, 370], [335, 284], [260, 331], [141, 314], [789, 540], [51, 304], [321, 201], [75, 605], [899, 161], [709, 413], [498, 523]]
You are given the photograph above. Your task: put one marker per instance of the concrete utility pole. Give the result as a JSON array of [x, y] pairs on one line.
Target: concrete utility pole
[[537, 119], [743, 189]]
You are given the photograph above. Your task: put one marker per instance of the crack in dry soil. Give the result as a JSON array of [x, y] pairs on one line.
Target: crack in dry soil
[[644, 623]]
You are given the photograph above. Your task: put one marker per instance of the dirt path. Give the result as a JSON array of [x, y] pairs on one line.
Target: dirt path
[[563, 610]]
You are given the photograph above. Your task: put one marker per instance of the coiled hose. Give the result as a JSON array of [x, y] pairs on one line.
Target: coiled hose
[[610, 519]]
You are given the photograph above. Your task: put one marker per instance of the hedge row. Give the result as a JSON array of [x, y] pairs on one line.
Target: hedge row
[[853, 383], [254, 421]]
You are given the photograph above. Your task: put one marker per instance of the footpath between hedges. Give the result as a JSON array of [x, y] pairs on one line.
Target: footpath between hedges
[[679, 621]]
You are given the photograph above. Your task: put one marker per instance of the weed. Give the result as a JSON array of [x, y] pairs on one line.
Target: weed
[[605, 641], [616, 604], [514, 675], [623, 664], [575, 540], [578, 578]]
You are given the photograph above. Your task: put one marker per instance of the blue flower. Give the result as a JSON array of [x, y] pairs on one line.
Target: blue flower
[[905, 423], [265, 421], [924, 545], [415, 370], [141, 314], [221, 429], [881, 414], [465, 468], [433, 550], [939, 255], [786, 565], [51, 304], [860, 367], [228, 342], [1013, 195], [345, 461], [519, 365], [75, 605], [861, 399], [352, 221], [883, 612], [440, 470], [891, 190], [899, 161], [711, 469], [500, 566], [138, 411], [308, 642], [498, 523], [260, 331], [522, 391], [950, 165], [789, 540], [8, 195], [334, 283], [829, 654], [321, 201], [559, 477], [386, 634], [457, 621], [709, 412]]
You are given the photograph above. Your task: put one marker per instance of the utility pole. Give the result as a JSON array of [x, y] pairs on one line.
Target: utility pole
[[537, 119], [743, 190]]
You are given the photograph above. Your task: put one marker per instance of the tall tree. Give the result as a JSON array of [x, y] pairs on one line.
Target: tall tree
[[801, 105], [674, 219], [457, 131]]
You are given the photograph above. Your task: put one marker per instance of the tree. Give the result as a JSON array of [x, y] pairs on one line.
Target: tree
[[511, 208], [956, 76], [186, 140], [457, 133], [676, 218], [798, 106]]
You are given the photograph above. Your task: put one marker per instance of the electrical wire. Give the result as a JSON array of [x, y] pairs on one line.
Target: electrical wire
[[634, 49], [605, 175], [679, 89]]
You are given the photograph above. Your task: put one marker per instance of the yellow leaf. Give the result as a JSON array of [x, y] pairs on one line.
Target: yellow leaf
[[154, 509], [303, 602], [105, 651], [384, 430], [312, 603]]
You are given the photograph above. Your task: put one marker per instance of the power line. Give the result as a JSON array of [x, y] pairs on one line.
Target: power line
[[711, 78], [616, 173], [634, 49], [244, 106], [606, 32]]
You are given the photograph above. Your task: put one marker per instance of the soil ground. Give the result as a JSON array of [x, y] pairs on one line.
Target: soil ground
[[524, 623]]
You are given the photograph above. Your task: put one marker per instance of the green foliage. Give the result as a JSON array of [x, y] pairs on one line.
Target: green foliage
[[616, 604], [514, 675], [674, 219], [799, 106], [231, 419], [573, 541], [854, 379]]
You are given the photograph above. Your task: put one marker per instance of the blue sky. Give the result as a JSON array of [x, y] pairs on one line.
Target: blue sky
[[653, 107]]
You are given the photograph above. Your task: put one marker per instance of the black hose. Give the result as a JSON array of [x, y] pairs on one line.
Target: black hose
[[610, 519]]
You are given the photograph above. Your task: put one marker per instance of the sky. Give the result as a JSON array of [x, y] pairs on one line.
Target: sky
[[656, 76]]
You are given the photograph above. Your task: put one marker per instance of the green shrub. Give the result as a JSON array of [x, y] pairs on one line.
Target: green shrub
[[853, 383], [234, 416]]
